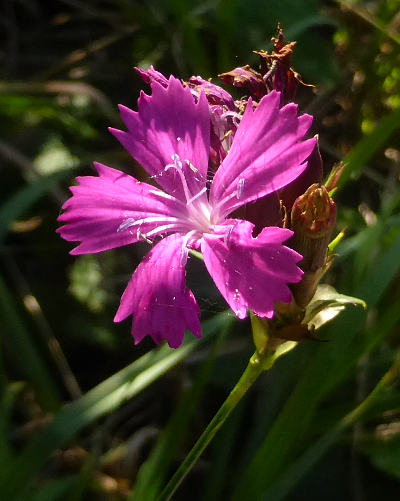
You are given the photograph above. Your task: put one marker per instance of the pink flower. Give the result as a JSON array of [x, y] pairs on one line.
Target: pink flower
[[170, 137], [224, 114]]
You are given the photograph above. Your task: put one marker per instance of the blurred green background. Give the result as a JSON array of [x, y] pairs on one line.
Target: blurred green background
[[86, 415]]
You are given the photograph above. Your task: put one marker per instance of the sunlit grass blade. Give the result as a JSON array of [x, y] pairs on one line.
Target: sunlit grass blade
[[223, 448], [18, 340], [102, 399], [366, 14], [152, 474], [8, 397], [363, 151], [26, 196]]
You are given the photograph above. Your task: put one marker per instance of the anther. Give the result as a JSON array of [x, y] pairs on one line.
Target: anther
[[240, 188]]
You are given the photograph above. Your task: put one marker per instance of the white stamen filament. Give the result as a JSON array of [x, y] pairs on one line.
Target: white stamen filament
[[235, 116], [191, 166], [163, 229], [162, 194], [204, 190], [215, 212], [140, 235], [199, 215], [195, 216], [177, 165], [130, 222]]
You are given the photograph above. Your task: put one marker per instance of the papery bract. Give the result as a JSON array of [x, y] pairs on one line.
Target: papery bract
[[170, 137]]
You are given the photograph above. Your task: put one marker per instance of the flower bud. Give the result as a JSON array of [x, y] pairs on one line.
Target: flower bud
[[313, 218]]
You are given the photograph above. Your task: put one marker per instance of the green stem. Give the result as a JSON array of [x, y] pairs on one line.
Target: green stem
[[258, 363], [282, 487], [390, 376]]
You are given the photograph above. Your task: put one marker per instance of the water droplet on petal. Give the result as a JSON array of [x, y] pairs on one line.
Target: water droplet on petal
[[236, 295]]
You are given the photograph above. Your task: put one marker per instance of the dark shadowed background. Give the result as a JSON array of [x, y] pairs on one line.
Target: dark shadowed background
[[65, 65]]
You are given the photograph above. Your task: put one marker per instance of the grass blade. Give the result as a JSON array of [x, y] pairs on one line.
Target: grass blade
[[152, 474], [280, 443], [102, 399], [26, 354], [369, 145], [26, 196]]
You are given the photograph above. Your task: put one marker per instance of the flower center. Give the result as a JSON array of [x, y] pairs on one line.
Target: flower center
[[197, 205]]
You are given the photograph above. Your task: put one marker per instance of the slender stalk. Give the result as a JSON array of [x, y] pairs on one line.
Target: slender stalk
[[389, 378], [258, 363]]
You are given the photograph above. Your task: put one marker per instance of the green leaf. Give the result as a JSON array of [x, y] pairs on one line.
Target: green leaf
[[223, 449], [364, 150], [152, 473], [326, 304], [339, 356], [25, 197], [310, 457], [385, 455], [86, 282], [26, 354], [101, 400], [6, 407]]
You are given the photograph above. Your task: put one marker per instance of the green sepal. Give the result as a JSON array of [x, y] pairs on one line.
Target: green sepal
[[260, 333], [267, 359], [336, 241]]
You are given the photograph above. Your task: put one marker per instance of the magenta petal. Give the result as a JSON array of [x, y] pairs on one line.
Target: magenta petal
[[157, 297], [252, 273], [152, 75], [263, 212], [267, 153], [216, 95], [312, 174], [115, 209], [168, 125]]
